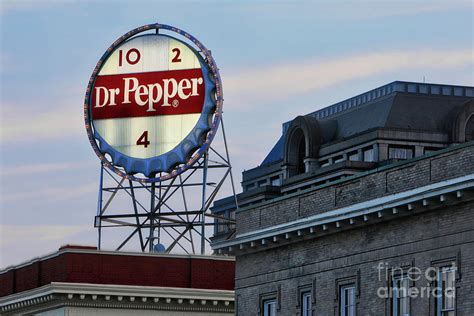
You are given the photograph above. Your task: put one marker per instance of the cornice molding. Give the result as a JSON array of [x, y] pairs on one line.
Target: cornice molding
[[379, 209], [121, 296]]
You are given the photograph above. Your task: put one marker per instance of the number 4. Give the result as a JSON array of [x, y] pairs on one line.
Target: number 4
[[143, 139]]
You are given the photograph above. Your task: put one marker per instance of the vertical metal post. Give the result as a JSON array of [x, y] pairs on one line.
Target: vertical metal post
[[99, 206], [203, 204], [230, 165], [158, 233], [152, 218], [185, 203], [137, 218]]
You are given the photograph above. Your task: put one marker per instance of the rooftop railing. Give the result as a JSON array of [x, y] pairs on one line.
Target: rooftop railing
[[380, 92]]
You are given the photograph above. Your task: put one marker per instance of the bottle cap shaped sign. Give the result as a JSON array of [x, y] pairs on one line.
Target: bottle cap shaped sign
[[153, 103]]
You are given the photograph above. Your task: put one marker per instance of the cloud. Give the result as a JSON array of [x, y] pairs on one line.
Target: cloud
[[15, 233], [363, 10], [250, 87], [51, 193], [18, 124], [272, 83], [20, 242], [43, 168], [7, 6]]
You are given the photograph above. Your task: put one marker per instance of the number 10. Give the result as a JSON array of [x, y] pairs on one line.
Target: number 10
[[132, 56]]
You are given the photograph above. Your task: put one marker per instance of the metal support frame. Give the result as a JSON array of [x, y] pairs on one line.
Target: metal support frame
[[178, 214]]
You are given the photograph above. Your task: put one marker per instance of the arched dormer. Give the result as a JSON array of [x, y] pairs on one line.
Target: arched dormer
[[469, 130], [302, 142], [463, 127]]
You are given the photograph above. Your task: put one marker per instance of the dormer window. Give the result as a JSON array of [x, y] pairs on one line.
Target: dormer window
[[369, 154], [302, 142], [339, 159], [463, 127], [470, 129], [400, 152], [301, 156], [353, 156]]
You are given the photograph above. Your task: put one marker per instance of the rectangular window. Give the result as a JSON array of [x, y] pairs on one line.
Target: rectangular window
[[369, 155], [249, 186], [232, 216], [269, 307], [306, 303], [458, 92], [221, 225], [276, 181], [446, 299], [435, 90], [338, 159], [353, 156], [347, 300], [262, 183], [423, 89], [325, 163], [400, 152], [446, 90], [400, 296]]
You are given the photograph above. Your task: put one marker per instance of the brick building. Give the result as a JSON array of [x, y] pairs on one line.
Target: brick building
[[83, 281], [365, 207]]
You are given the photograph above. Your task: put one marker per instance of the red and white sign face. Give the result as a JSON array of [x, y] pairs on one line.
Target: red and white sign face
[[148, 96]]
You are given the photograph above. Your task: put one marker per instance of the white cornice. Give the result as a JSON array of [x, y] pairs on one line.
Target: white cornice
[[118, 294], [119, 290]]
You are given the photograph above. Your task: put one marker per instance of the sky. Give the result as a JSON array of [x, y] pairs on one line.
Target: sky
[[278, 60]]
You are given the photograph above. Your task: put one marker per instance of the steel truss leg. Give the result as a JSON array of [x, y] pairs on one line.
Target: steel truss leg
[[175, 216]]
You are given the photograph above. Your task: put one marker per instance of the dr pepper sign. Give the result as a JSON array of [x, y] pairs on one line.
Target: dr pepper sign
[[153, 103]]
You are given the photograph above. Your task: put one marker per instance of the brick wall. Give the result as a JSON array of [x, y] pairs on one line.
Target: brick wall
[[375, 184], [416, 240], [103, 268]]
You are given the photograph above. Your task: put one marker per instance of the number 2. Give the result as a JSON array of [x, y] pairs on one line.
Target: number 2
[[143, 139], [176, 58]]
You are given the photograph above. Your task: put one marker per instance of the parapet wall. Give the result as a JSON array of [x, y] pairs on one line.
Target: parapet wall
[[107, 267], [443, 165]]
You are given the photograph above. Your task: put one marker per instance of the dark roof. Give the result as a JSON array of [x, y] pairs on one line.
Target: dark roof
[[397, 105], [276, 153]]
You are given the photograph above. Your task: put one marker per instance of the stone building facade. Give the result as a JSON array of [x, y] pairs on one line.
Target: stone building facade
[[365, 207]]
